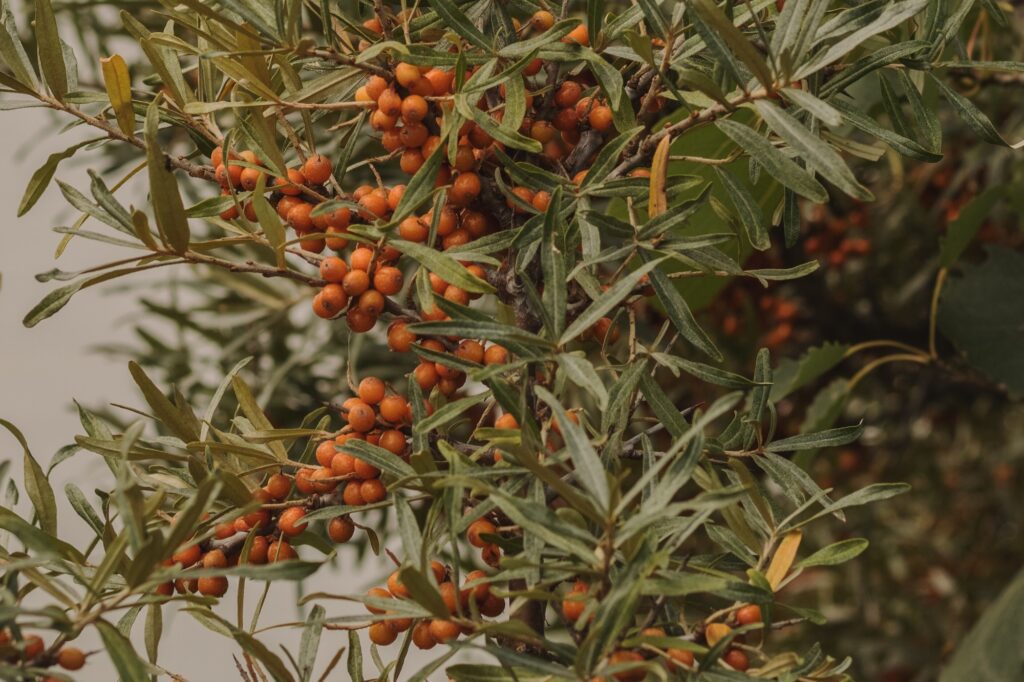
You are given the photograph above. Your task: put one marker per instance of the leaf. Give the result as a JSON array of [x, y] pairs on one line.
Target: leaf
[[835, 554], [724, 28], [610, 80], [607, 158], [164, 409], [971, 115], [40, 180], [982, 313], [893, 15], [355, 657], [783, 558], [589, 469], [961, 231], [269, 221], [820, 439], [606, 301], [119, 90], [898, 142], [582, 373], [51, 52], [817, 153], [13, 52], [658, 200], [993, 650], [872, 493], [163, 186], [385, 460], [449, 413], [458, 22], [443, 265], [793, 374], [679, 313], [310, 642], [748, 210], [422, 184], [128, 664], [817, 108], [37, 485], [777, 164]]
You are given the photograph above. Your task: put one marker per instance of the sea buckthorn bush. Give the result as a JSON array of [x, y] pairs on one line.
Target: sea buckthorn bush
[[544, 260]]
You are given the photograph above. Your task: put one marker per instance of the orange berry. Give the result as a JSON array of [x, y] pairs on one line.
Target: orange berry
[[371, 390], [541, 200], [495, 355], [524, 194], [374, 206], [325, 453], [413, 230], [679, 656], [414, 109], [444, 630], [340, 529], [249, 178], [280, 550], [578, 35], [355, 282], [465, 189], [542, 20], [568, 94], [477, 530], [450, 596], [440, 81], [334, 298], [303, 483], [278, 486], [213, 586], [493, 606], [373, 491], [393, 441], [422, 637], [299, 217], [361, 416], [737, 659], [624, 658], [383, 633], [749, 614], [290, 522], [400, 339], [406, 74], [411, 161], [70, 658], [352, 495], [215, 558], [371, 303], [187, 556], [317, 169], [258, 550], [393, 409], [333, 269], [600, 118], [390, 103]]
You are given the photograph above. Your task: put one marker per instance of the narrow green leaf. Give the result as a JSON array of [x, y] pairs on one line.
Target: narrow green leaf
[[608, 300], [778, 165], [163, 186], [51, 52], [750, 214]]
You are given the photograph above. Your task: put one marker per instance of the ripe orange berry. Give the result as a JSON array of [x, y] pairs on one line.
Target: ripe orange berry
[[737, 659], [395, 195], [278, 486], [290, 522], [340, 529], [414, 134], [388, 280], [393, 409], [465, 189], [317, 169], [444, 630], [578, 35], [343, 464], [411, 161], [412, 229], [624, 658], [479, 528], [258, 550], [300, 218], [213, 586], [524, 194], [749, 614], [187, 556], [355, 282], [371, 390], [393, 441], [422, 637], [382, 633], [375, 85], [492, 606], [280, 550], [568, 94], [414, 109], [361, 416], [378, 593], [215, 558], [406, 74], [335, 298], [495, 355], [373, 491], [333, 269], [371, 303], [249, 178], [325, 453], [352, 496], [543, 131], [390, 104], [70, 658], [600, 118], [400, 339], [542, 20], [679, 656]]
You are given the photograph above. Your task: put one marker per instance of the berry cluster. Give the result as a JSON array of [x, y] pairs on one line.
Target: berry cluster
[[475, 595], [31, 650]]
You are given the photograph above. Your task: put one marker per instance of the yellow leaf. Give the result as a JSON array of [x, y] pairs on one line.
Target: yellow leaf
[[658, 202], [783, 559], [119, 90], [716, 632]]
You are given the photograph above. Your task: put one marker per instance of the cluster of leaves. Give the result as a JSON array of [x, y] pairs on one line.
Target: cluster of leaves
[[676, 511]]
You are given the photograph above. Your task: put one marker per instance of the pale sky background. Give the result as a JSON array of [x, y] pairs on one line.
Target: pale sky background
[[43, 369]]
